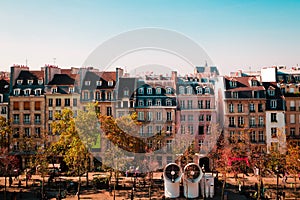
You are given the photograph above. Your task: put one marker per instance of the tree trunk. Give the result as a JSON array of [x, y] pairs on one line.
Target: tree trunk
[[87, 178], [78, 189], [258, 187], [223, 187]]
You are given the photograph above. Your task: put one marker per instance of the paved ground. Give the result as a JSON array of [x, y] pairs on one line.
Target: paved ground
[[156, 192]]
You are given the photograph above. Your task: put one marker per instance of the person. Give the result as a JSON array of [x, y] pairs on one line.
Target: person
[[10, 181]]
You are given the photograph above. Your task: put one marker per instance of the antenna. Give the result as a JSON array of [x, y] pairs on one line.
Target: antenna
[[54, 59], [26, 62]]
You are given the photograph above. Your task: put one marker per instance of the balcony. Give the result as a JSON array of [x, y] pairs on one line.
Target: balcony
[[26, 121], [16, 121], [260, 125], [37, 121]]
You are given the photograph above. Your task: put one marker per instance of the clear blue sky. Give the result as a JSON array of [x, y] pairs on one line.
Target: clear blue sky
[[235, 33]]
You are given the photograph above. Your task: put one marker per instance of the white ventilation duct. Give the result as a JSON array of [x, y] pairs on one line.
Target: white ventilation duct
[[192, 176], [172, 176]]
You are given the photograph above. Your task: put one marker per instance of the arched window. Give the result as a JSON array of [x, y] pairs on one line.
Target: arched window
[[158, 90], [199, 90], [207, 90], [168, 102], [169, 90], [189, 90], [141, 91], [181, 90]]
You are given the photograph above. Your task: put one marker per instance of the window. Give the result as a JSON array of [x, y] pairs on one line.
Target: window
[[235, 95], [260, 107], [125, 104], [58, 102], [273, 132], [85, 95], [261, 120], [169, 159], [16, 119], [200, 104], [27, 92], [40, 81], [67, 102], [271, 92], [141, 91], [99, 83], [37, 118], [241, 121], [199, 90], [200, 143], [4, 110], [54, 90], [232, 83], [27, 132], [292, 131], [182, 104], [190, 118], [261, 137], [182, 129], [158, 90], [253, 136], [231, 108], [126, 92], [169, 145], [71, 89], [240, 108], [252, 107], [97, 95], [50, 114], [19, 82], [158, 102], [38, 132], [149, 116], [109, 96], [252, 122], [182, 118], [108, 111], [16, 106], [207, 90], [87, 83], [292, 106], [149, 102], [16, 92], [158, 129], [273, 103], [169, 129], [110, 83], [273, 117], [231, 122], [149, 90], [74, 102], [169, 116], [208, 118], [141, 103], [29, 82], [26, 105], [208, 130], [38, 92], [168, 102], [142, 131], [50, 102], [150, 130], [190, 104], [1, 98], [201, 130], [201, 118], [191, 129], [189, 90], [207, 104], [181, 90], [292, 119], [37, 105], [158, 116], [141, 116], [169, 90]]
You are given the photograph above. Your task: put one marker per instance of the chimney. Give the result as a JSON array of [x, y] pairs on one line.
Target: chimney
[[14, 73], [50, 71], [119, 73]]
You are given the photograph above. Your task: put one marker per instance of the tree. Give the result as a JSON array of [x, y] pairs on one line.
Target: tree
[[70, 145], [5, 132], [293, 161]]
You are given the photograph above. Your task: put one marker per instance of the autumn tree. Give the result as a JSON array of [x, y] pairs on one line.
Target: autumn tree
[[293, 161], [5, 132]]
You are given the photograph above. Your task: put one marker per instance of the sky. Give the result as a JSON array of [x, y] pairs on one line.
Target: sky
[[236, 34]]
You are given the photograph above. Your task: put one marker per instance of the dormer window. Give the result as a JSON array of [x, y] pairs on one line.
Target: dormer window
[[19, 82], [27, 92], [71, 89], [169, 90], [126, 92], [141, 103], [168, 102], [158, 90], [40, 81], [99, 83], [1, 98], [235, 95], [16, 92], [141, 91], [38, 92], [149, 90], [110, 83], [189, 90], [207, 90], [271, 92], [181, 90], [54, 90], [29, 82], [199, 90], [232, 83], [254, 83], [87, 83]]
